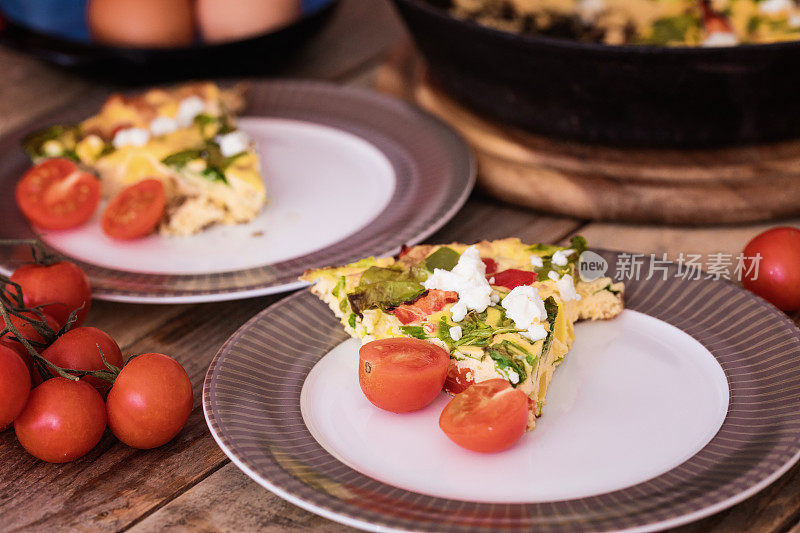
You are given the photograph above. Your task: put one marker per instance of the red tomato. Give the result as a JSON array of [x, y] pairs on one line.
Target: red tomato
[[778, 279], [491, 265], [403, 374], [15, 386], [27, 331], [433, 301], [513, 278], [150, 402], [55, 194], [77, 350], [62, 421], [61, 287], [458, 379], [489, 416], [135, 211]]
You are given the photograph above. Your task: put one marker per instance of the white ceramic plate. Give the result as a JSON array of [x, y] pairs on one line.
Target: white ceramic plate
[[613, 409], [348, 174], [684, 405]]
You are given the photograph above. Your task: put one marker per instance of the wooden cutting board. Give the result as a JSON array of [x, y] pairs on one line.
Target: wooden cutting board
[[694, 187]]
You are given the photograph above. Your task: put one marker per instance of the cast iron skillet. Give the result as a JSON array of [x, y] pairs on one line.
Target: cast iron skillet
[[264, 54], [621, 95]]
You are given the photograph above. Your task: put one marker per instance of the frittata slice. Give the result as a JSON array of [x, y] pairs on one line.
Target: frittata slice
[[500, 308], [185, 136]]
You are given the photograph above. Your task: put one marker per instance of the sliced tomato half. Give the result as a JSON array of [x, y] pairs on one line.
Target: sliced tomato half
[[135, 211], [513, 278], [489, 416], [56, 194], [433, 301]]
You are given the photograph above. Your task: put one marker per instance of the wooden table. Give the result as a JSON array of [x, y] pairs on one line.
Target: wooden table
[[189, 483]]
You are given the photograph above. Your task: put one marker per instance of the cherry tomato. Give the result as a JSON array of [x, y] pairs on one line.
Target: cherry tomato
[[458, 379], [778, 279], [15, 386], [61, 287], [489, 416], [77, 350], [29, 332], [403, 374], [55, 194], [433, 301], [513, 278], [62, 421], [150, 402], [135, 211]]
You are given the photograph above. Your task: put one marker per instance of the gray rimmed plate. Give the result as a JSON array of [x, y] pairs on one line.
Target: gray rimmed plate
[[350, 173], [686, 404]]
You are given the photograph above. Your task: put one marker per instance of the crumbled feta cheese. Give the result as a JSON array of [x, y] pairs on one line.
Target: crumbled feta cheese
[[131, 137], [52, 147], [537, 261], [233, 143], [512, 376], [468, 279], [456, 333], [525, 307], [773, 7], [491, 280], [552, 275], [721, 38], [560, 256], [188, 109], [566, 288], [459, 311], [494, 298], [536, 332], [163, 126]]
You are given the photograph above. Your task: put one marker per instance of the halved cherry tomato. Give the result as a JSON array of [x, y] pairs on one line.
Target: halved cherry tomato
[[433, 301], [135, 211], [63, 420], [489, 416], [402, 374], [513, 278], [56, 194], [79, 349], [458, 379], [61, 288], [778, 279], [491, 265], [15, 386]]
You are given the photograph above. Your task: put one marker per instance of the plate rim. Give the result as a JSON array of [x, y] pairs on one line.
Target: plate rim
[[455, 151], [783, 321]]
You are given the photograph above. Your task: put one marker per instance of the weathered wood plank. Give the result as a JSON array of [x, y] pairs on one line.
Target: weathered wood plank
[[486, 218], [228, 500], [115, 485], [674, 240], [29, 87]]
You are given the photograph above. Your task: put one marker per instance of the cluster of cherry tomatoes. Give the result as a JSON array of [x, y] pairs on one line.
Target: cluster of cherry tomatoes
[[62, 384], [57, 194], [405, 374]]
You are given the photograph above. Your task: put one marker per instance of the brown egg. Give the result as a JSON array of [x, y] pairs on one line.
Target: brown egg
[[231, 20], [142, 23]]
